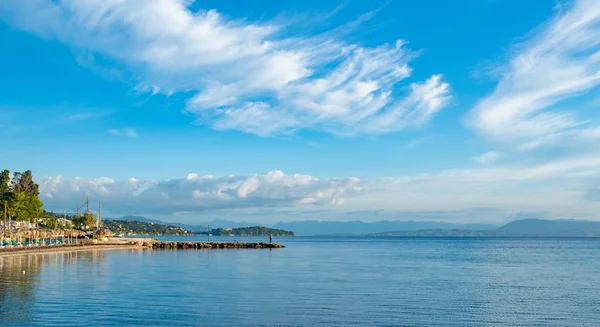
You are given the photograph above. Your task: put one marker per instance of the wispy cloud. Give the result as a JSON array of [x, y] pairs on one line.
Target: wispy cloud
[[416, 142], [487, 157], [127, 132], [88, 115], [256, 78], [560, 61]]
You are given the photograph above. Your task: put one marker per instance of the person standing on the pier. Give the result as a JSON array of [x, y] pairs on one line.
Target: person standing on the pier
[[270, 238]]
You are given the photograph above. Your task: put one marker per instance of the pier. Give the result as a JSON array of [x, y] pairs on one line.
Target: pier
[[153, 243], [130, 243], [212, 245]]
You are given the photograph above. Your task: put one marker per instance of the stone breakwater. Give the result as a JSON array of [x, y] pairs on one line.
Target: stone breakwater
[[132, 244], [212, 245]]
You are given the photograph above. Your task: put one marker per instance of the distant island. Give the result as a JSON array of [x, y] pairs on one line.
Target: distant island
[[134, 227], [249, 231], [357, 228], [441, 233]]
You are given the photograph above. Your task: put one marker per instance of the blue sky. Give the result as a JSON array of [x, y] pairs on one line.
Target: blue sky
[[190, 110]]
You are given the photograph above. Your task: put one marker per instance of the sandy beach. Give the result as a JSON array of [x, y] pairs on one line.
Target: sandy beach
[[12, 251]]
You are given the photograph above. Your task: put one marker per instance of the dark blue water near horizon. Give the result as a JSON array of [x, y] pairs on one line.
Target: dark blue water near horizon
[[312, 282]]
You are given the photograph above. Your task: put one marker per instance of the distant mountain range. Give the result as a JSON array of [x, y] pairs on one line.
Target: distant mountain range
[[552, 228], [325, 228], [348, 228], [517, 228]]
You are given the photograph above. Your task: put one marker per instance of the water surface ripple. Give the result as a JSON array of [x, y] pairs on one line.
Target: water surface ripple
[[314, 281]]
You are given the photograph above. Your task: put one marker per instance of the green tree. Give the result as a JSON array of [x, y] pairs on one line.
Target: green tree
[[23, 183], [34, 208], [21, 197], [5, 192], [5, 181], [16, 207], [52, 223], [25, 208], [85, 222]]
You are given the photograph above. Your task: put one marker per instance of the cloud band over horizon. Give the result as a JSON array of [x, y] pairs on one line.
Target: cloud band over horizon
[[560, 188]]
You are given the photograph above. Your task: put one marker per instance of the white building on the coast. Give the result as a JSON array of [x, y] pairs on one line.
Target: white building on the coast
[[22, 224]]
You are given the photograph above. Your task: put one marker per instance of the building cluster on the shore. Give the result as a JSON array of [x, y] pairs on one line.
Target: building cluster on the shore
[[24, 225]]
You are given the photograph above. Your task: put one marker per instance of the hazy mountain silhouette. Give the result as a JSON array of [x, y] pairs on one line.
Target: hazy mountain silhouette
[[517, 228], [557, 228], [310, 228]]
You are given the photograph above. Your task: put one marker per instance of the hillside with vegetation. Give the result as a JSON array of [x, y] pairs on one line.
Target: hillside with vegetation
[[134, 227], [250, 231]]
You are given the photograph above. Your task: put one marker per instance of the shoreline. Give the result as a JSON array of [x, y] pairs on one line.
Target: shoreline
[[5, 252], [127, 244]]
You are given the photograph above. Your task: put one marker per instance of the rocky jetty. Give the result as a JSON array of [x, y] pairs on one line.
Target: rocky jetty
[[212, 245], [46, 242]]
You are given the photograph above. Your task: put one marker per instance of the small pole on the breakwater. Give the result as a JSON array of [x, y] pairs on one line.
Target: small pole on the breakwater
[[208, 232]]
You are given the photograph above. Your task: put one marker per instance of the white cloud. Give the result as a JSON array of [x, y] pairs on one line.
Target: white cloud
[[127, 132], [562, 188], [488, 157], [200, 193], [245, 76], [560, 61]]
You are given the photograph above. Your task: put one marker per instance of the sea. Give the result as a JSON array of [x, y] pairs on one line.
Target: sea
[[314, 281]]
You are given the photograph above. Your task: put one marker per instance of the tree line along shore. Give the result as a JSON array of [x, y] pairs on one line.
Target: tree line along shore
[[21, 207]]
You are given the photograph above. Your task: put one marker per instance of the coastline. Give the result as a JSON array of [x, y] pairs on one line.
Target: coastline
[[5, 252], [122, 244]]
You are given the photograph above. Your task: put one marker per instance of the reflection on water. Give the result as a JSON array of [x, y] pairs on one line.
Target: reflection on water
[[23, 277], [20, 275], [314, 281]]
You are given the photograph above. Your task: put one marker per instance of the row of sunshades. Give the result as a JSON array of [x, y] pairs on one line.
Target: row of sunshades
[[33, 242]]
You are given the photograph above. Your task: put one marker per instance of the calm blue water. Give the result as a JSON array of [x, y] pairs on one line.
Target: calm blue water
[[314, 281]]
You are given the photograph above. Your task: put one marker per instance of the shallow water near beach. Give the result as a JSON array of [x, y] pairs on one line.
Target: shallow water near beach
[[314, 281]]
